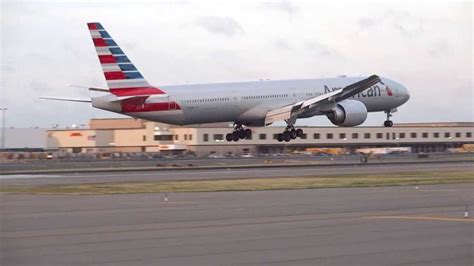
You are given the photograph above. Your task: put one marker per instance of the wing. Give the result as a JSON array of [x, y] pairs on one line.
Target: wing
[[323, 102]]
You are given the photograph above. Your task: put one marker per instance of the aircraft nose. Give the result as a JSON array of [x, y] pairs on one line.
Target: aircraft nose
[[405, 94]]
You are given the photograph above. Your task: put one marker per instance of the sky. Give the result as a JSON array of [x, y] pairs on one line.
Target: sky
[[427, 46]]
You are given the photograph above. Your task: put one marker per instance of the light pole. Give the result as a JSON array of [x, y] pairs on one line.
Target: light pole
[[4, 110]]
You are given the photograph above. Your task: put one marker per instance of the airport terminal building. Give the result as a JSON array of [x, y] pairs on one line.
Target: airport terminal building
[[136, 135]]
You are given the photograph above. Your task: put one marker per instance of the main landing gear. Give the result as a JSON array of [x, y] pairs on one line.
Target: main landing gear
[[239, 133], [289, 134], [388, 122]]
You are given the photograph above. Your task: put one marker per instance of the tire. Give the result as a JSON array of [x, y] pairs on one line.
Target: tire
[[280, 137], [241, 134], [229, 137], [286, 136], [386, 123], [248, 133], [235, 136], [390, 123], [293, 134], [299, 132]]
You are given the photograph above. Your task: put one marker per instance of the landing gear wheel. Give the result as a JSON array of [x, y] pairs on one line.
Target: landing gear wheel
[[286, 136], [280, 137], [388, 123], [241, 134], [235, 136], [299, 132], [248, 133], [293, 134]]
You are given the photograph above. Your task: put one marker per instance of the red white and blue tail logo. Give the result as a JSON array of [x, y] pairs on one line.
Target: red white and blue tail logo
[[123, 78]]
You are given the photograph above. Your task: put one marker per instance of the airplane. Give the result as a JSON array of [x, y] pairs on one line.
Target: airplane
[[345, 101]]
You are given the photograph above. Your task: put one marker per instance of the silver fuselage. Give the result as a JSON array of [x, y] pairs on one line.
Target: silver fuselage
[[249, 102]]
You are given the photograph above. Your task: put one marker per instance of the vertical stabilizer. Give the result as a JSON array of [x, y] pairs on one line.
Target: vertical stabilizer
[[123, 78]]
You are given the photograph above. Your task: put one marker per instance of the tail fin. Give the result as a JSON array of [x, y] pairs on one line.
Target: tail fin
[[123, 78]]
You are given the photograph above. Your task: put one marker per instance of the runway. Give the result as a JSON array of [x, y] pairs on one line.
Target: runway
[[354, 226], [178, 174]]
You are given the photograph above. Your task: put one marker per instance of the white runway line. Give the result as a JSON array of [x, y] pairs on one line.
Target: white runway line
[[6, 177]]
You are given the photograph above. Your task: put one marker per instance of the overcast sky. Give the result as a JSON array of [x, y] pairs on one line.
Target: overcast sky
[[427, 46]]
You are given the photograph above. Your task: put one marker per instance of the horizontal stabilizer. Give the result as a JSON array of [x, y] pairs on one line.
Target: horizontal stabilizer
[[82, 100], [89, 88]]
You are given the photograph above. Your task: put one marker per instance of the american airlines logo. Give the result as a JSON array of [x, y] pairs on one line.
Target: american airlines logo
[[373, 91], [389, 91]]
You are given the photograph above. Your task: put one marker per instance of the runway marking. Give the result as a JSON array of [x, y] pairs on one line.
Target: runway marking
[[167, 202], [429, 218], [6, 177], [179, 202], [439, 190]]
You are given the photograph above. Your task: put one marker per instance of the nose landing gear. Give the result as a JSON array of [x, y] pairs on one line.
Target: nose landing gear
[[239, 133], [388, 122]]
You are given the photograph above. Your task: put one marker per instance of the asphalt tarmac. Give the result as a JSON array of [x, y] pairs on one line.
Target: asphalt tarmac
[[177, 174], [353, 226], [123, 163]]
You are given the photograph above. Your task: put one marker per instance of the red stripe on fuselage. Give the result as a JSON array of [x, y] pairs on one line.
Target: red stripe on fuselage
[[114, 75], [99, 42], [136, 91], [137, 105], [107, 59]]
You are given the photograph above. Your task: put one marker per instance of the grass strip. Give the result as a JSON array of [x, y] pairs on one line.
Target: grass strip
[[250, 184]]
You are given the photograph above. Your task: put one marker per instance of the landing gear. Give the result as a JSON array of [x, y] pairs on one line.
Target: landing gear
[[388, 122], [238, 133], [290, 133]]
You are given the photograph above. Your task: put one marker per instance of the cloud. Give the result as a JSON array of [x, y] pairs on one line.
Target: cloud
[[219, 25], [402, 22], [321, 49], [282, 6], [282, 44], [365, 23], [440, 48]]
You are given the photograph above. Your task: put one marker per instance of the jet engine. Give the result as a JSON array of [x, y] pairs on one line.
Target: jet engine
[[348, 113]]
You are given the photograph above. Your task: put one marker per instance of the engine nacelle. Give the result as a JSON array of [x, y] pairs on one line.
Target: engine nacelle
[[348, 113]]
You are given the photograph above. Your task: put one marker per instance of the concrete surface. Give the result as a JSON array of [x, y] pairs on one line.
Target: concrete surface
[[358, 226], [82, 165], [177, 174]]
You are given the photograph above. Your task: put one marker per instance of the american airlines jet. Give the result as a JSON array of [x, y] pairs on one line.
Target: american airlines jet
[[345, 101]]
